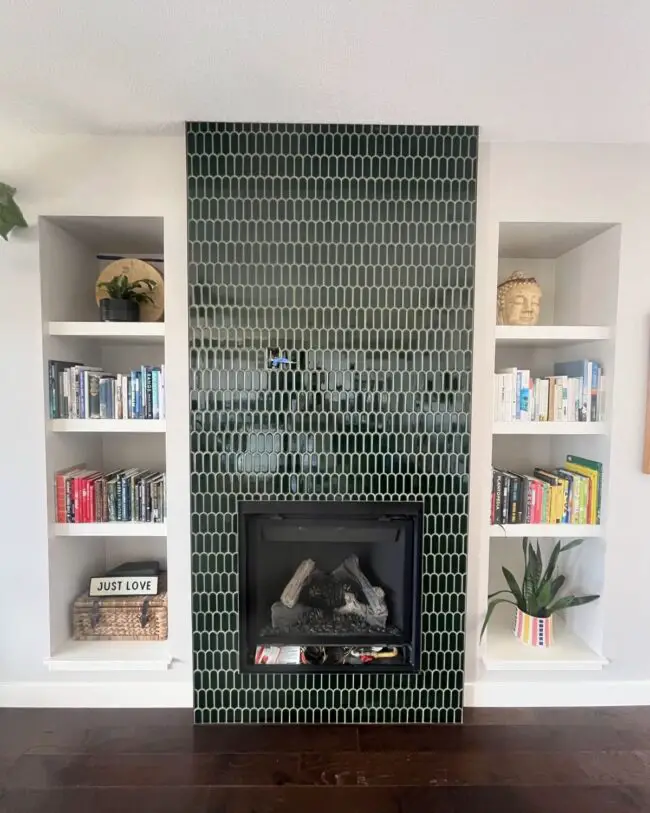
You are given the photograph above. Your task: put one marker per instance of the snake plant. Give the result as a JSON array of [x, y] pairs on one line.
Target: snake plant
[[538, 593], [10, 214]]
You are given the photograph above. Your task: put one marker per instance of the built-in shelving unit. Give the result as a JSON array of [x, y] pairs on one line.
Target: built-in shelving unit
[[561, 531], [106, 425], [577, 321], [549, 428], [73, 251], [549, 335], [569, 652], [110, 529], [110, 656], [118, 332]]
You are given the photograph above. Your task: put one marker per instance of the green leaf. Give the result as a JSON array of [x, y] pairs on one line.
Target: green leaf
[[573, 544], [10, 215], [570, 601], [514, 588], [556, 586], [531, 578], [552, 562], [490, 610], [498, 593], [543, 599]]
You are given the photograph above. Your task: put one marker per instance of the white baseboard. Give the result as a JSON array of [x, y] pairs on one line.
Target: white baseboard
[[177, 694], [557, 694], [169, 694]]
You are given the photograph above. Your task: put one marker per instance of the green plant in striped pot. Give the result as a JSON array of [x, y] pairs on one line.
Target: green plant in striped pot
[[538, 597]]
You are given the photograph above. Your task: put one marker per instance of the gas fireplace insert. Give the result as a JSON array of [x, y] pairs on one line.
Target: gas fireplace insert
[[329, 586]]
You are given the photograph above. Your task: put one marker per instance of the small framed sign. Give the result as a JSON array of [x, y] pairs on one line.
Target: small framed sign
[[124, 586]]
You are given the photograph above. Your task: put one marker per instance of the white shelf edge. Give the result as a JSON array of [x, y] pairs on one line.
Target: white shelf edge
[[569, 653], [110, 529], [111, 656], [549, 335], [560, 531], [123, 331], [549, 428], [106, 425]]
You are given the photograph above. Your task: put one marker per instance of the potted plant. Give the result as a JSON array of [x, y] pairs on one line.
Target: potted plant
[[537, 598], [122, 303], [10, 215]]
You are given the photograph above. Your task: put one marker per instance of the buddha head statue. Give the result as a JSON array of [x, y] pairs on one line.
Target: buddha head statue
[[518, 300]]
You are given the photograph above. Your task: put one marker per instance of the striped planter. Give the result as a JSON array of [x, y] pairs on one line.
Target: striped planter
[[533, 631]]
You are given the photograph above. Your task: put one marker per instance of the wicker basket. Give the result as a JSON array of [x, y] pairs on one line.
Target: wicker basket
[[120, 618]]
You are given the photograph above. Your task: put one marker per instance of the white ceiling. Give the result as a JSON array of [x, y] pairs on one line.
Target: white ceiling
[[558, 70]]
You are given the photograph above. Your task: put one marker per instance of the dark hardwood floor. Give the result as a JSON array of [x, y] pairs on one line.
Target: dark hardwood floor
[[155, 761]]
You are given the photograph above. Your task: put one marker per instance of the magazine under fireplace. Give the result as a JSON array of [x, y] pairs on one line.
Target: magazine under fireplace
[[336, 583]]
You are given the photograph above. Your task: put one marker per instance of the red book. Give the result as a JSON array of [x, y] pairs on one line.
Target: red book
[[91, 500], [76, 499], [60, 482]]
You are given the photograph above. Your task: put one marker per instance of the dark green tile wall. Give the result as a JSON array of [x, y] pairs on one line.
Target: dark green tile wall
[[351, 247]]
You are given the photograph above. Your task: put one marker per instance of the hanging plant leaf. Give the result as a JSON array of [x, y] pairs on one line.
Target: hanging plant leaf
[[10, 215]]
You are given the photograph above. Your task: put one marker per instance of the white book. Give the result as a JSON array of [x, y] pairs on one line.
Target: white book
[[525, 395], [544, 396], [510, 376], [590, 373]]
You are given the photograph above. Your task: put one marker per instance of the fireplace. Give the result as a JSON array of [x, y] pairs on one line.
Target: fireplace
[[329, 586]]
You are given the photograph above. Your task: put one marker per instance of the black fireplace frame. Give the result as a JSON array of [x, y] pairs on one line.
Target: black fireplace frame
[[412, 511]]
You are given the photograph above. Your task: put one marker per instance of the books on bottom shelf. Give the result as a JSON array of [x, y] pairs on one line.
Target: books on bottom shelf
[[575, 392], [123, 495], [569, 494], [79, 391]]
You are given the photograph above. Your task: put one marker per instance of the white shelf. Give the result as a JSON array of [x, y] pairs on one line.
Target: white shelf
[[549, 428], [504, 652], [127, 332], [549, 335], [106, 425], [111, 656], [110, 529], [559, 531]]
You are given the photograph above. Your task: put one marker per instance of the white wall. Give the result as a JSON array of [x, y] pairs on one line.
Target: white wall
[[98, 176], [146, 176]]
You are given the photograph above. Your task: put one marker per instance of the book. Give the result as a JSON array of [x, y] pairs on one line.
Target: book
[[568, 494], [578, 370], [80, 391], [574, 392], [84, 495], [594, 470]]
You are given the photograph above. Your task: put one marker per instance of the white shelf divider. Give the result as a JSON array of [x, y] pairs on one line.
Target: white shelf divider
[[503, 651], [128, 332], [111, 656], [110, 529], [550, 335], [549, 428], [559, 531], [106, 425]]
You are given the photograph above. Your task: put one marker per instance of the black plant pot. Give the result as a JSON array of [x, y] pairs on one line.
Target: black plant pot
[[119, 310]]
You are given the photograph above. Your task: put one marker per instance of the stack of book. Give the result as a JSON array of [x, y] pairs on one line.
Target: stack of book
[[569, 494], [575, 392], [125, 495], [80, 391]]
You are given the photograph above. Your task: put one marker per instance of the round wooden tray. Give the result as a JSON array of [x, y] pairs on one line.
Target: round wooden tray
[[135, 270]]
